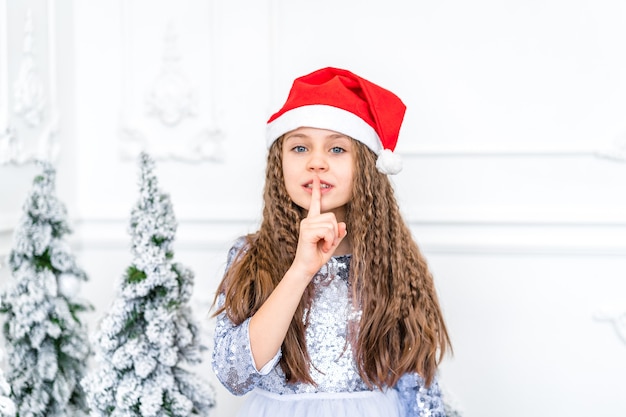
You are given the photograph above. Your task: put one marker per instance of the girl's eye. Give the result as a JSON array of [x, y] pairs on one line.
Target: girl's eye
[[337, 149], [299, 148]]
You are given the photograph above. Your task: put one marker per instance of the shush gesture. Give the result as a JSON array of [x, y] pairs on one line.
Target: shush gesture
[[320, 234]]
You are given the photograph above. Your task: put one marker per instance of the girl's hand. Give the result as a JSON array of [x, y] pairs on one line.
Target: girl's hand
[[320, 234]]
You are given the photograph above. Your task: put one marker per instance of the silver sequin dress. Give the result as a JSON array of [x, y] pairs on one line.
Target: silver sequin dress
[[340, 391]]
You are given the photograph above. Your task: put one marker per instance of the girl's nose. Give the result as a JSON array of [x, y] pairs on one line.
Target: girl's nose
[[317, 162]]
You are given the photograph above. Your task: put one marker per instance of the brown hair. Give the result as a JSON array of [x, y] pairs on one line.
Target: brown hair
[[402, 327]]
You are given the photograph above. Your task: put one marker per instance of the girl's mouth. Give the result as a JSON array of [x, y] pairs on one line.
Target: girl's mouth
[[322, 185]]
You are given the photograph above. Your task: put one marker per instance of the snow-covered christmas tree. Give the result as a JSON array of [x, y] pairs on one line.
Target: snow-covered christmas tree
[[144, 342], [47, 345]]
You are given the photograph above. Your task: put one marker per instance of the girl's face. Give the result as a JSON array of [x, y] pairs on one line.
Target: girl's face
[[310, 152]]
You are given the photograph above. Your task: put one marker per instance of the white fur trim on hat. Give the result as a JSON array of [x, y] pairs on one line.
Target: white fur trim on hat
[[324, 117]]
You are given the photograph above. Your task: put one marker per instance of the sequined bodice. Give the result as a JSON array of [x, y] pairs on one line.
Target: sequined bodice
[[332, 361]]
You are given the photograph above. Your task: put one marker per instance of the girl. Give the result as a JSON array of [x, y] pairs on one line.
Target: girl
[[329, 308]]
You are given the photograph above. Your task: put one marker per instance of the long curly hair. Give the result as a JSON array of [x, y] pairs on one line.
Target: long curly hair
[[401, 329]]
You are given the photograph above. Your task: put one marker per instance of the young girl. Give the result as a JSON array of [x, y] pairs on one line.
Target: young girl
[[329, 308]]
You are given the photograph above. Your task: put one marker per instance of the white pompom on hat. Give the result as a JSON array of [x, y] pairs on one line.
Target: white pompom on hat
[[336, 99]]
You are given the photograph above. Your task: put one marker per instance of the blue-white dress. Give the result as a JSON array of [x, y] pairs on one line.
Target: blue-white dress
[[340, 391]]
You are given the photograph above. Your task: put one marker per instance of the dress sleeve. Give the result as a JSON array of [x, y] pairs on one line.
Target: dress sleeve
[[419, 400], [232, 359]]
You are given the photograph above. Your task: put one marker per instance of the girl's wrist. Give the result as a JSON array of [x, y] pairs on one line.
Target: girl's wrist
[[299, 273]]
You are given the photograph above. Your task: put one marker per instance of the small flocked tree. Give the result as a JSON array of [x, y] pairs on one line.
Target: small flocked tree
[[47, 345], [149, 334]]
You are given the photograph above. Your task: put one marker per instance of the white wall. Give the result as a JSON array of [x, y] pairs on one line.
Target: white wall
[[513, 147]]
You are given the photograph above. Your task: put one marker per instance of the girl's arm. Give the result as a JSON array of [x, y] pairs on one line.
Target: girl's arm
[[320, 234], [232, 359], [244, 353], [419, 400], [269, 325]]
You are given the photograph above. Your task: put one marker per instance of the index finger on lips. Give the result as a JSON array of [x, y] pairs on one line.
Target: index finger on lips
[[316, 198]]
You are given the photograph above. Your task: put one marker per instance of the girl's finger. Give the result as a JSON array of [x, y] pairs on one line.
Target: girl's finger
[[316, 198]]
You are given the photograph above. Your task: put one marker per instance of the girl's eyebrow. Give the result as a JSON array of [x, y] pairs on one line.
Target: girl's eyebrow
[[296, 136], [337, 136], [304, 136]]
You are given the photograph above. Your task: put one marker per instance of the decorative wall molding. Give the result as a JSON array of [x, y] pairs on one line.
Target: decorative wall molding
[[28, 103], [616, 151], [28, 90], [489, 144], [215, 232], [111, 235], [171, 98], [168, 108], [484, 150], [617, 320]]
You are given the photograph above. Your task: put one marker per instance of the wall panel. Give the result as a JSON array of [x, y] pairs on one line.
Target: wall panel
[[29, 105]]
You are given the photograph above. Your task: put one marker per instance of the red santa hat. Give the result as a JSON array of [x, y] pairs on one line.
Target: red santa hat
[[336, 99]]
